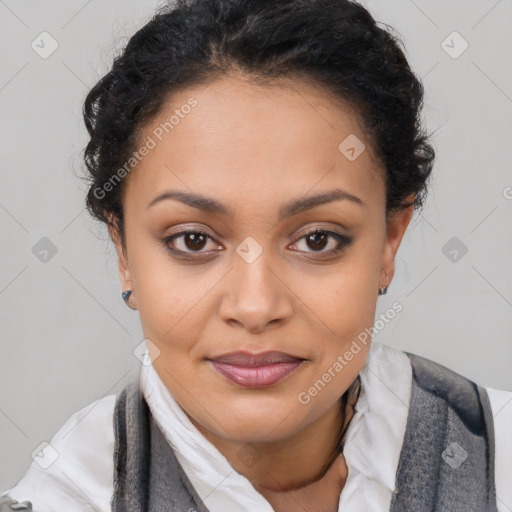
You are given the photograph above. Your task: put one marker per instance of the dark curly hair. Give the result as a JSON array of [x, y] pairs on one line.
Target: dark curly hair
[[336, 43]]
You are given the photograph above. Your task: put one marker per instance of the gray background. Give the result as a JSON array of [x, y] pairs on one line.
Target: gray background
[[67, 335]]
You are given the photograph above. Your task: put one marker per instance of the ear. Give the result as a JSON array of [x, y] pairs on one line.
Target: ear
[[396, 226], [122, 262]]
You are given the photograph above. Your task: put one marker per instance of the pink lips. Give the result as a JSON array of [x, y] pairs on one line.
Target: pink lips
[[256, 370]]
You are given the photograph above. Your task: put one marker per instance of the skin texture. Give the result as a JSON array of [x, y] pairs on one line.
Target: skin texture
[[254, 148]]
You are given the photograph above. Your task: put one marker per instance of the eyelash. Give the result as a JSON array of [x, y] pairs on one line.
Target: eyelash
[[343, 243]]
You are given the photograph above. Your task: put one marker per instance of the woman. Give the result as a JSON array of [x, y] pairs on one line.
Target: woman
[[257, 164]]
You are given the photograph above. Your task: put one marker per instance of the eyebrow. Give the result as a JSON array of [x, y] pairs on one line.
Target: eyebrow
[[290, 208]]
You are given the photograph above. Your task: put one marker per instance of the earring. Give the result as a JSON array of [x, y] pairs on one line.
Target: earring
[[383, 290], [126, 297]]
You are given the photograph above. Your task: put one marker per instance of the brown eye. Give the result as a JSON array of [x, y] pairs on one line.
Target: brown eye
[[188, 242], [316, 241]]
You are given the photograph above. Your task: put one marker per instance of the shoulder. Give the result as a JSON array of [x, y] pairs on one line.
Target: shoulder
[[479, 408], [75, 468], [501, 404], [462, 394]]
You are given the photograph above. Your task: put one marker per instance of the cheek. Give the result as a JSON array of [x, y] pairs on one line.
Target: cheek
[[164, 296], [345, 308], [346, 298]]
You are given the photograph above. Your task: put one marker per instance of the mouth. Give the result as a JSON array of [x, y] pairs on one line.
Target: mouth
[[251, 370]]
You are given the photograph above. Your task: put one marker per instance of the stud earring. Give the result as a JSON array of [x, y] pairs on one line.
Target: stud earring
[[383, 290], [126, 297]]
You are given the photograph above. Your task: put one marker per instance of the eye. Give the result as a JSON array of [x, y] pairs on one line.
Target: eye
[[187, 242], [318, 239]]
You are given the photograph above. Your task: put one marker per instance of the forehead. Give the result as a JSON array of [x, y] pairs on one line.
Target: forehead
[[233, 137]]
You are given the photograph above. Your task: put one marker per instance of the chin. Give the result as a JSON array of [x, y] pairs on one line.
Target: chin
[[263, 431], [251, 420]]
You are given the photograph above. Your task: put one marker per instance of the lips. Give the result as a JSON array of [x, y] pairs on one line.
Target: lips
[[256, 370]]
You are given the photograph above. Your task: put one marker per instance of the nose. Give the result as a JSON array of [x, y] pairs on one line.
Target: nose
[[257, 297]]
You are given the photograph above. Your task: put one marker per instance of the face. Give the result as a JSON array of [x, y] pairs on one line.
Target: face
[[239, 257]]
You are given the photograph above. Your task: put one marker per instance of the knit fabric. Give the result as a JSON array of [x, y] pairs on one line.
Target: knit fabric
[[447, 459]]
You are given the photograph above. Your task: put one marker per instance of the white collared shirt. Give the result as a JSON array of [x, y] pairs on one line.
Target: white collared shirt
[[81, 477]]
